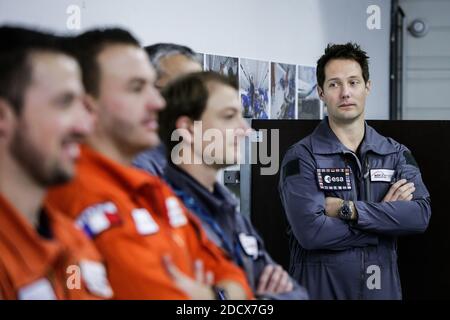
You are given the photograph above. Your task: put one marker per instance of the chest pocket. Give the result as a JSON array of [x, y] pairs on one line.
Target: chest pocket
[[382, 175], [380, 187]]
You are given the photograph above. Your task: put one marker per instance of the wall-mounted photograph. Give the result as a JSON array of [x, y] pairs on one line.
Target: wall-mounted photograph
[[282, 88], [227, 66], [254, 88], [309, 105]]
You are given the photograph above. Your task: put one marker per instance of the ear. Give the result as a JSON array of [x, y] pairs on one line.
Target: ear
[[368, 86], [320, 92], [7, 116], [91, 103], [92, 106], [186, 126]]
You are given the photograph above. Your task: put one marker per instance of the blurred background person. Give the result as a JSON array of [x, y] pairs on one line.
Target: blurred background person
[[207, 104], [42, 120], [170, 61]]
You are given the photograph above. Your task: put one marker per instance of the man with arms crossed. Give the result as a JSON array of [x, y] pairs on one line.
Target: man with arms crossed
[[349, 192]]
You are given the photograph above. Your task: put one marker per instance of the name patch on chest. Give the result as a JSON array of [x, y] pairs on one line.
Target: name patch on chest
[[334, 179], [384, 175]]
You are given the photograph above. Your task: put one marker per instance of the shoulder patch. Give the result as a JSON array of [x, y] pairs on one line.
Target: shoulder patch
[[291, 168], [410, 159], [98, 218]]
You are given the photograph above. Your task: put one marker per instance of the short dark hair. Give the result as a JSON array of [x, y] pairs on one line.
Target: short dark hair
[[187, 96], [16, 46], [348, 51], [86, 48], [158, 51]]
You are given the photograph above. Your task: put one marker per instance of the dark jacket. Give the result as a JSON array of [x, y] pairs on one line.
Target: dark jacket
[[227, 227], [152, 160]]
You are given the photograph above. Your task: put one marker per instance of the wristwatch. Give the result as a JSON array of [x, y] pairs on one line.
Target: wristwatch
[[346, 211], [220, 293]]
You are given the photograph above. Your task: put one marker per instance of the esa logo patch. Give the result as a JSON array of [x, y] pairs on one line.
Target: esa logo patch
[[334, 179]]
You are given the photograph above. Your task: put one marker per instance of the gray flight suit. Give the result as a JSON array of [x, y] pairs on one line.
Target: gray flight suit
[[333, 258]]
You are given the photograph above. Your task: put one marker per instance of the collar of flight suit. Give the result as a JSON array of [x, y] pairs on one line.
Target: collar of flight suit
[[324, 141], [112, 172], [30, 255], [218, 201]]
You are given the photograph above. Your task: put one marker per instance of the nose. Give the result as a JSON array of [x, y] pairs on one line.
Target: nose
[[243, 129], [244, 124], [83, 120], [345, 92], [155, 100]]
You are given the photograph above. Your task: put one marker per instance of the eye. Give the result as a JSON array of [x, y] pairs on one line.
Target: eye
[[333, 85], [65, 101], [229, 115], [354, 82], [137, 88]]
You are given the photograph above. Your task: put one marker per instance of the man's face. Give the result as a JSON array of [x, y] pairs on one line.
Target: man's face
[[128, 103], [344, 90], [174, 66], [223, 113], [53, 120]]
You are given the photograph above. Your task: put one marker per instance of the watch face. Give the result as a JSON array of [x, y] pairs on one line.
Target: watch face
[[345, 211]]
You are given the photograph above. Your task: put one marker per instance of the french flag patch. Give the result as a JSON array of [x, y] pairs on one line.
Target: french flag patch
[[98, 218]]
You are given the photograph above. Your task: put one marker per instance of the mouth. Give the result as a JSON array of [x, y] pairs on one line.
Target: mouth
[[71, 149], [347, 105], [151, 124]]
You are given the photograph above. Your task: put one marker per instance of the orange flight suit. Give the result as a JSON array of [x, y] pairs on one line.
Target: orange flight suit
[[64, 265], [135, 219]]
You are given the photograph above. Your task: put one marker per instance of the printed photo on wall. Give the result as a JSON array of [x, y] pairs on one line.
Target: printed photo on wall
[[227, 66], [254, 88], [309, 104], [282, 88]]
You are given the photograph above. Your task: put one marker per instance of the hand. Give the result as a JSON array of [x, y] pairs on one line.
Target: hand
[[400, 191], [332, 206], [198, 288], [274, 280]]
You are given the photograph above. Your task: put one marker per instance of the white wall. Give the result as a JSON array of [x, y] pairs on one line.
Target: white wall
[[289, 31]]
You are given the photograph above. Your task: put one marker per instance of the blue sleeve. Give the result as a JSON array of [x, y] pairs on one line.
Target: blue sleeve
[[298, 293], [152, 160], [398, 217], [304, 204]]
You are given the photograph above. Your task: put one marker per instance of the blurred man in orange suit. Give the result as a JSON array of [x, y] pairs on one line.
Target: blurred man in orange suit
[[42, 118]]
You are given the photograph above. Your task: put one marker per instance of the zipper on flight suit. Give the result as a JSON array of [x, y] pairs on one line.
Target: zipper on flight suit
[[355, 194], [366, 177], [367, 190], [367, 197]]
